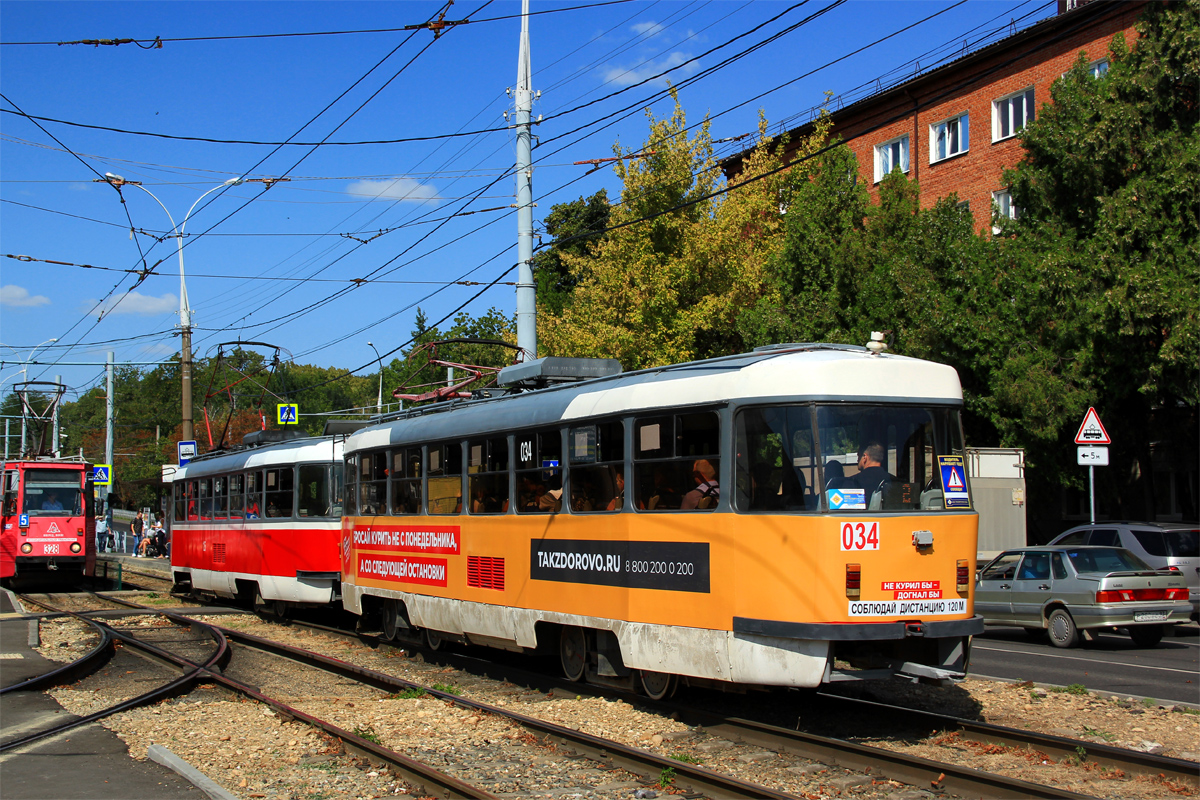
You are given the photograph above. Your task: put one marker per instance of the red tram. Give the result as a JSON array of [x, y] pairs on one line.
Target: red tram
[[261, 523], [47, 523]]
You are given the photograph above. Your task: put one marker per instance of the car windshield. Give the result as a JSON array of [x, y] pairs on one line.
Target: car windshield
[[1103, 560], [1177, 543]]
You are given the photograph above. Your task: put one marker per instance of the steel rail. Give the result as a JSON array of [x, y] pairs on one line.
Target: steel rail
[[632, 759], [419, 774], [69, 673], [175, 688], [1175, 769]]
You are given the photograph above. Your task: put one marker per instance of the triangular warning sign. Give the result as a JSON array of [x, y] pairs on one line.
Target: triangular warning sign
[[53, 528], [1091, 431], [955, 484]]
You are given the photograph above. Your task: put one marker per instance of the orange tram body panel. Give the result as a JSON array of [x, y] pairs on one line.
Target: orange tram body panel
[[47, 521], [790, 517], [261, 522]]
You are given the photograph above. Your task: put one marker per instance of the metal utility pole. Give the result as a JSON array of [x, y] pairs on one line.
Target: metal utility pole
[[526, 288], [108, 430], [55, 446]]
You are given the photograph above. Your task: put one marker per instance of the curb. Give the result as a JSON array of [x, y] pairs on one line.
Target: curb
[[162, 755]]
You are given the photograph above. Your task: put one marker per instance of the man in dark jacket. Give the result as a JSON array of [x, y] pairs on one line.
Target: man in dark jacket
[[872, 476]]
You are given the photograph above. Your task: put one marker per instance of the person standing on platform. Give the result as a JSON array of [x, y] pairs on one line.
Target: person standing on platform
[[138, 527]]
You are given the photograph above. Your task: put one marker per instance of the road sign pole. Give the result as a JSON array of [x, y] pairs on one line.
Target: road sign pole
[[1092, 490]]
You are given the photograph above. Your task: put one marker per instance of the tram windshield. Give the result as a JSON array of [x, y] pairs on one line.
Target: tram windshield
[[52, 493], [843, 457]]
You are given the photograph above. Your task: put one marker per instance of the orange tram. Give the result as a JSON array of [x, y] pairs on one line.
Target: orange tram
[[47, 522], [788, 517]]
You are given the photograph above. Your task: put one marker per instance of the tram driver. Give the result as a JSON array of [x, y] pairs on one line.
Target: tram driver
[[872, 477], [51, 502]]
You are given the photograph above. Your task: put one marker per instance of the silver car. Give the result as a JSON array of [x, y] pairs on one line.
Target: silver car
[[1065, 590], [1162, 545]]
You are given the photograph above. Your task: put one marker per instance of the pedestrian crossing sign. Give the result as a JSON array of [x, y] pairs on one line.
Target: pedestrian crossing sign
[[287, 414], [954, 482], [102, 474]]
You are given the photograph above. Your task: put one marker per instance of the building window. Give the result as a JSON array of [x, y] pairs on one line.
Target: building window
[[949, 138], [1002, 204], [1098, 69], [1011, 114], [891, 155]]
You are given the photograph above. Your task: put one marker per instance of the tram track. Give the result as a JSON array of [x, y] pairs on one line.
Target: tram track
[[947, 778], [859, 757]]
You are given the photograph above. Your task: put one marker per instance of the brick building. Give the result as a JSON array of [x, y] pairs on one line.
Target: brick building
[[954, 129]]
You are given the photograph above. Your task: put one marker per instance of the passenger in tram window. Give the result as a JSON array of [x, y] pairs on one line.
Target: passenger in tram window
[[551, 499], [252, 510], [664, 494], [51, 502], [707, 492], [872, 477], [618, 501]]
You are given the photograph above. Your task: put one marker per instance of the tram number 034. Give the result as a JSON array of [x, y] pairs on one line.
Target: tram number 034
[[860, 536], [660, 567]]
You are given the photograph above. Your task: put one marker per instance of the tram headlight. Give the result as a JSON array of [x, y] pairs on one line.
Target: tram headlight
[[75, 547], [27, 548], [853, 581]]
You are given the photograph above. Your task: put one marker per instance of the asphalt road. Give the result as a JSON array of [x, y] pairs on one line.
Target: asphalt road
[[1168, 673]]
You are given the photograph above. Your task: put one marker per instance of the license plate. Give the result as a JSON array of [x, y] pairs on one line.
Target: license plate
[[1150, 616]]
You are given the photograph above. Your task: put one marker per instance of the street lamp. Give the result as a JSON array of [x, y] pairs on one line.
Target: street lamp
[[379, 399], [185, 311]]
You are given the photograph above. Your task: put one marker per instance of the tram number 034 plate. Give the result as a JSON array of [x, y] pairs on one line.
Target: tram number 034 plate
[[860, 535]]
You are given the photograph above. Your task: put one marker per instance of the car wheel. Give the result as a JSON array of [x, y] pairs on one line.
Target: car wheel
[[1146, 635], [1062, 629]]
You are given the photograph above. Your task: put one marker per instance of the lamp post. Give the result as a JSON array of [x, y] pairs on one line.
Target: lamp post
[[185, 310], [379, 399]]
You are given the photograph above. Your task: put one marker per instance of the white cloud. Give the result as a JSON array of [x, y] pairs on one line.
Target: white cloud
[[13, 295], [403, 189], [135, 303], [648, 29], [627, 77]]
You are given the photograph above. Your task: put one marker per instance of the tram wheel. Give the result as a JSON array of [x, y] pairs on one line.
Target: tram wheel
[[572, 651], [434, 640], [281, 609], [657, 685], [391, 620]]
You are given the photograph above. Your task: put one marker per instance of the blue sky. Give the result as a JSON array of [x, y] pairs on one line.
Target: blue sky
[[265, 264]]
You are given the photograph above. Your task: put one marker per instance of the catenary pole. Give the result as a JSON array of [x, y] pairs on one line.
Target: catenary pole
[[108, 430], [54, 448], [526, 294]]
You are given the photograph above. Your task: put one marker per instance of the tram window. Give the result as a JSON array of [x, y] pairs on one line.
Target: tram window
[[52, 493], [891, 457], [350, 475], [372, 483], [280, 491], [676, 462], [597, 476], [193, 500], [406, 480], [11, 479], [313, 495], [237, 496], [220, 498], [180, 491], [539, 472], [205, 497], [487, 469], [254, 491], [445, 478], [775, 469], [338, 490]]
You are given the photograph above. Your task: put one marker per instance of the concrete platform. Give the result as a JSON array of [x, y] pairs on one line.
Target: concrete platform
[[88, 763]]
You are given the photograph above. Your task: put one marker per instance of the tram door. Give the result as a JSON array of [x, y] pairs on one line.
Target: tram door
[[8, 522]]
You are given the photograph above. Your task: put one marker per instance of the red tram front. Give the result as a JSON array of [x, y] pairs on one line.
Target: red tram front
[[48, 522]]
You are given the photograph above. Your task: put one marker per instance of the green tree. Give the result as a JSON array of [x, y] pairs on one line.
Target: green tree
[[1103, 264], [578, 223]]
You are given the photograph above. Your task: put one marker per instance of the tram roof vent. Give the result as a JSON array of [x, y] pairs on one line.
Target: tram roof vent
[[545, 371], [256, 438]]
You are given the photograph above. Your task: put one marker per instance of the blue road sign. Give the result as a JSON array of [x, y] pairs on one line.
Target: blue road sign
[[287, 413], [102, 474], [187, 451]]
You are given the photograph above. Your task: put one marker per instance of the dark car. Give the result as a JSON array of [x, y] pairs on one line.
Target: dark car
[[1064, 590], [1162, 545]]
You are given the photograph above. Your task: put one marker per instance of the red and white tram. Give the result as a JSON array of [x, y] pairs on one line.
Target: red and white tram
[[261, 522], [47, 523]]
